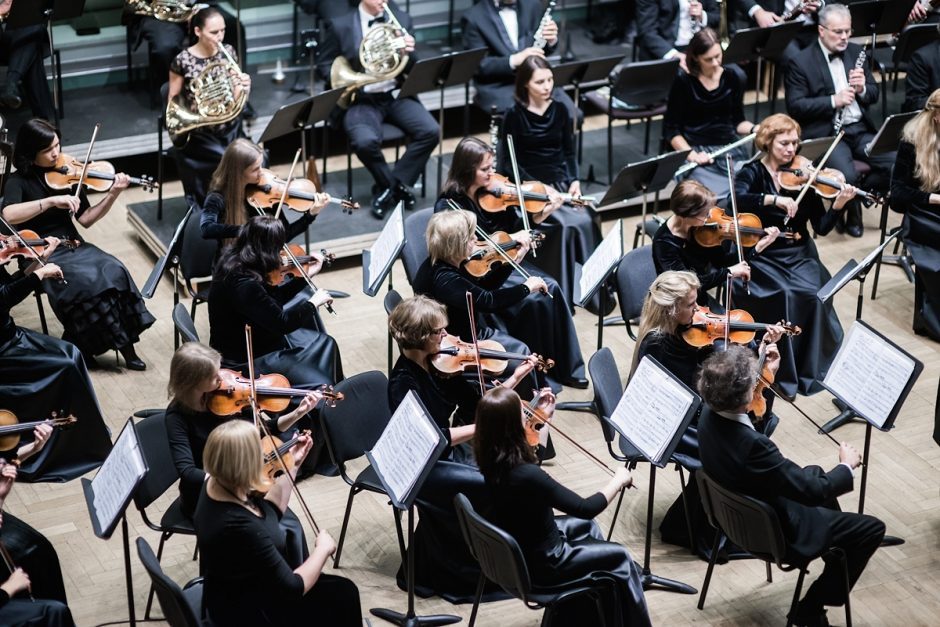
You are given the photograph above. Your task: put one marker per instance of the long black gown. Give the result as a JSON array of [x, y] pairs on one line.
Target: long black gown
[[40, 374], [566, 548], [545, 151], [920, 230], [99, 306], [785, 279]]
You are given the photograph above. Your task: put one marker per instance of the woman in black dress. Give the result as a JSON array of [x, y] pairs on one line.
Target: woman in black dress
[[705, 111], [787, 275], [556, 550], [543, 137], [248, 581], [915, 192], [284, 337], [99, 306]]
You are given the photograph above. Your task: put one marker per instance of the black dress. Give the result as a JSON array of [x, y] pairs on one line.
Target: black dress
[[545, 151], [785, 279], [710, 265], [566, 548], [920, 230], [248, 580], [99, 307], [213, 213], [40, 374]]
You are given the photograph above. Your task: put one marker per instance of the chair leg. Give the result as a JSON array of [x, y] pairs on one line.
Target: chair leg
[[42, 313], [688, 512], [192, 309], [481, 582], [163, 538], [770, 573], [796, 595], [646, 141], [401, 536], [610, 150], [613, 521], [848, 587], [711, 567], [342, 534]]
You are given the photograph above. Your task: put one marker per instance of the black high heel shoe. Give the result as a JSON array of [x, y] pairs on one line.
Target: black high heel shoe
[[131, 360]]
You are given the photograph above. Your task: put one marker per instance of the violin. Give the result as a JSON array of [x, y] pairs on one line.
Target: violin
[[301, 197], [287, 269], [273, 468], [758, 404], [456, 357], [11, 427], [535, 421], [11, 246], [99, 177], [828, 183], [273, 390], [501, 194], [485, 258], [719, 227], [708, 328]]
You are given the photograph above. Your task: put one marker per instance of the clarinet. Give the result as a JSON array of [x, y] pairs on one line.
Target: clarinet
[[540, 41], [840, 114], [695, 24], [494, 131]]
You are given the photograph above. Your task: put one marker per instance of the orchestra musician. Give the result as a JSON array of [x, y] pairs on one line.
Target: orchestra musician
[[665, 27], [374, 103], [285, 339], [556, 549], [248, 579], [824, 85], [746, 461], [915, 192], [766, 13], [23, 49], [786, 276], [923, 76], [205, 145], [99, 306], [705, 111]]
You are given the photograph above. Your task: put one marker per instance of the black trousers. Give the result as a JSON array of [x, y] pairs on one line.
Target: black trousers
[[39, 613], [852, 147], [363, 125], [23, 48]]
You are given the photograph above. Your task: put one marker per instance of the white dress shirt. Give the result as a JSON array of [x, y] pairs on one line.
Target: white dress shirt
[[510, 19], [384, 86], [839, 73]]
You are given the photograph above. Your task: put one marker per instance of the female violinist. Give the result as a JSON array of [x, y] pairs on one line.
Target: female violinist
[[285, 335], [915, 192], [99, 306], [787, 275], [248, 580], [556, 549]]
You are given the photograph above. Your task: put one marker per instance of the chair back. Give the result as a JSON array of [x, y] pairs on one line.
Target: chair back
[[392, 298], [197, 255], [498, 554], [751, 524], [184, 323], [912, 39], [416, 247], [646, 83], [635, 273], [6, 162], [605, 378], [355, 424], [176, 609], [161, 471]]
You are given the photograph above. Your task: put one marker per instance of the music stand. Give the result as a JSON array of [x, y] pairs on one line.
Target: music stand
[[879, 17], [579, 73], [378, 260], [453, 68]]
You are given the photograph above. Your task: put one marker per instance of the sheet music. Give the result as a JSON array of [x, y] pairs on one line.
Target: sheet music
[[652, 409], [117, 477], [604, 257], [387, 245], [869, 374], [405, 447]]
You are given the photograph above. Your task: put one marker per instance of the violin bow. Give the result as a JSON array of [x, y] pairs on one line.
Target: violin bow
[[290, 177], [91, 144], [476, 345], [19, 238], [729, 162], [515, 173], [812, 177]]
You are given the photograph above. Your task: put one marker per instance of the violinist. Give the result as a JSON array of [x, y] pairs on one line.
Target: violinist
[[560, 549], [285, 335], [915, 192], [786, 276], [248, 579], [99, 306]]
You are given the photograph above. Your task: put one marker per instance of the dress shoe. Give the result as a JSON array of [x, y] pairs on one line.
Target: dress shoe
[[854, 230], [383, 203], [808, 618], [404, 194], [131, 360], [11, 98], [576, 382]]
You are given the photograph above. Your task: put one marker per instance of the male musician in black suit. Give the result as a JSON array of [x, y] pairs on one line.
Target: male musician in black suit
[[824, 85], [741, 459], [765, 13], [374, 103], [664, 27], [23, 50], [923, 76]]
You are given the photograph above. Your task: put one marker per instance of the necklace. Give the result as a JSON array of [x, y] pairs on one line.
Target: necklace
[[245, 502]]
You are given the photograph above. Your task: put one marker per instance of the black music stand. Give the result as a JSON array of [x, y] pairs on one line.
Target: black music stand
[[453, 68], [579, 74], [879, 17]]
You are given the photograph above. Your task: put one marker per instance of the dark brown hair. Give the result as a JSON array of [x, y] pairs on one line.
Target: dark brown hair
[[699, 45], [499, 442], [33, 137], [256, 251], [463, 166], [524, 74], [690, 198]]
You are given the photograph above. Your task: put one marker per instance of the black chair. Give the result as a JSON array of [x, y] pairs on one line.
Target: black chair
[[181, 607], [416, 246], [647, 228], [635, 273], [755, 527], [894, 61], [392, 298], [184, 323], [197, 256], [644, 87], [501, 561], [161, 475], [349, 430]]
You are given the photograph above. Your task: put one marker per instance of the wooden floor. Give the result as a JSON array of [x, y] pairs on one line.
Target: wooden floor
[[900, 587]]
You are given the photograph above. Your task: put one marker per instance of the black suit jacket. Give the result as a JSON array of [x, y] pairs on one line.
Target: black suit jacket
[[923, 77], [810, 88], [745, 461], [657, 25]]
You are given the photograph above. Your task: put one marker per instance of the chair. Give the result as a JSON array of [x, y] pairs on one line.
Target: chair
[[197, 256], [416, 247], [161, 474], [902, 260], [184, 323], [181, 607], [635, 273], [349, 430], [897, 60], [647, 228], [644, 86], [502, 562], [755, 527], [392, 298]]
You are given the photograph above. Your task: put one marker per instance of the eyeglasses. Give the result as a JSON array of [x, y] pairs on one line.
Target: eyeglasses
[[839, 31]]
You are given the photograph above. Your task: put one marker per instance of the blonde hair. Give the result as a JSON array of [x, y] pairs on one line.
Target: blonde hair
[[660, 306], [447, 234], [415, 319], [233, 456], [192, 364], [922, 133], [229, 178], [776, 124]]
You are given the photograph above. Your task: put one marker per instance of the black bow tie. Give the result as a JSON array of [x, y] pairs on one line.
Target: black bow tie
[[378, 19], [836, 55], [507, 4]]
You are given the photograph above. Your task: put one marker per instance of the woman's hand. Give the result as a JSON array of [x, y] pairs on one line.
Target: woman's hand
[[321, 200], [536, 284], [772, 359], [48, 271], [307, 404], [52, 244], [555, 201], [300, 449], [700, 158], [321, 297], [773, 333], [740, 271], [315, 264], [17, 582], [623, 478], [325, 542], [845, 194], [787, 204], [121, 182], [575, 189], [64, 201], [771, 234], [546, 402], [41, 435]]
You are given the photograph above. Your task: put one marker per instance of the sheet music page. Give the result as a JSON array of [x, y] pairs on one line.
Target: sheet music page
[[386, 246], [117, 476], [603, 258], [405, 447], [651, 409], [869, 374]]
